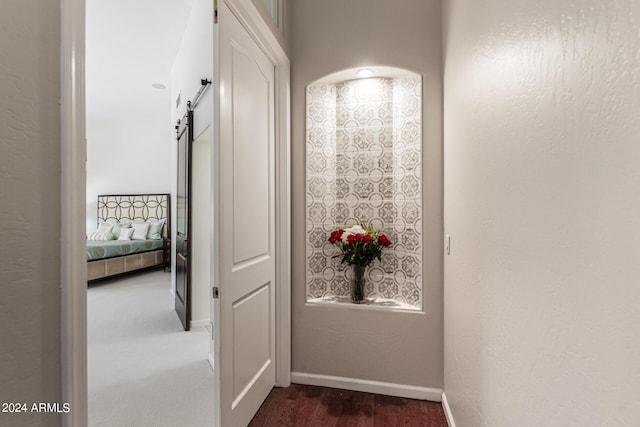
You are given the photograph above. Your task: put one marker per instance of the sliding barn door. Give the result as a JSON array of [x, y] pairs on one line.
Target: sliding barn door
[[183, 235], [246, 224]]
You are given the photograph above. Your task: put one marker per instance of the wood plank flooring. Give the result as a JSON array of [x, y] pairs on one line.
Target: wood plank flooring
[[310, 406]]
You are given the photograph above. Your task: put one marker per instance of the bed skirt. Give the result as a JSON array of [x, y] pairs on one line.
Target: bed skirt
[[103, 268]]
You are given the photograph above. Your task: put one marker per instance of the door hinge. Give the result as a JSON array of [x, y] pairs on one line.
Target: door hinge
[[215, 292], [215, 11]]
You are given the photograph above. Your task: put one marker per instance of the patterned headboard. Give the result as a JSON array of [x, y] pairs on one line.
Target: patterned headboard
[[135, 207]]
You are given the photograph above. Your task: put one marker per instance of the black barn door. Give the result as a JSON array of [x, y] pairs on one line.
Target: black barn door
[[183, 237]]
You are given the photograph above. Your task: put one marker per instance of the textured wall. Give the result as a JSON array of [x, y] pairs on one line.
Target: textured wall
[[542, 172], [30, 208], [329, 36], [364, 145]]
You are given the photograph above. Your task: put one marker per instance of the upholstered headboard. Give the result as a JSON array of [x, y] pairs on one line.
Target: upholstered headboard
[[135, 207]]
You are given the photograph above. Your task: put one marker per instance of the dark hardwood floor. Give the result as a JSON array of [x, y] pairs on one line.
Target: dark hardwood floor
[[303, 405]]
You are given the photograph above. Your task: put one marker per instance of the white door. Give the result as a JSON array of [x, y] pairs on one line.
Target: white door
[[246, 224]]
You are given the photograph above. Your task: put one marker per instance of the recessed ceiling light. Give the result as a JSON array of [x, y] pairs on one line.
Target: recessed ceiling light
[[158, 86], [365, 72]]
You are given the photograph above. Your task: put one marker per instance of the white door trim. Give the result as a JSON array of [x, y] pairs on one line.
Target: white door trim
[[250, 18], [73, 265]]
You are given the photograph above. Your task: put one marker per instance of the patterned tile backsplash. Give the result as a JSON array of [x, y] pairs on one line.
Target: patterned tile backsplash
[[364, 163]]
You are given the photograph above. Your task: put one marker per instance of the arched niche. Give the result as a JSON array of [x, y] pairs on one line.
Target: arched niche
[[364, 164]]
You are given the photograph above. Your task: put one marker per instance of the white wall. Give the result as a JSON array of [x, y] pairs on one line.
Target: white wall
[[194, 62], [201, 221], [30, 208], [128, 154], [329, 36], [130, 45], [542, 172]]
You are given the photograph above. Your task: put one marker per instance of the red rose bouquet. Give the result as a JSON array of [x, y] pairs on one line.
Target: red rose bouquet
[[360, 245]]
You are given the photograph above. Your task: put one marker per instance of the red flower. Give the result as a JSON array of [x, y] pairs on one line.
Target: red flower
[[336, 236], [384, 241], [360, 245]]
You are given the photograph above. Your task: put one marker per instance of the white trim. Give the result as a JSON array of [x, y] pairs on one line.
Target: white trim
[[447, 411], [283, 226], [378, 387], [199, 323], [73, 265], [211, 362]]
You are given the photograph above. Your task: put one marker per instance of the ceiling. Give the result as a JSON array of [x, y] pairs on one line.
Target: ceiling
[[131, 44]]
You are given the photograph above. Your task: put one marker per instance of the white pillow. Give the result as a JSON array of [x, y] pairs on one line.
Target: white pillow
[[125, 233], [119, 226], [155, 230], [140, 231], [105, 227], [102, 233], [99, 235]]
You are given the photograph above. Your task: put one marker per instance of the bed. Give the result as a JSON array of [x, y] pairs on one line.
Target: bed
[[133, 234]]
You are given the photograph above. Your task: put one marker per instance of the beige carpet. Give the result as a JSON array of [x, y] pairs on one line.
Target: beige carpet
[[144, 370]]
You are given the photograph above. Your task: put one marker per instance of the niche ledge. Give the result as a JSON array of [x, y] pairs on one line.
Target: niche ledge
[[369, 303]]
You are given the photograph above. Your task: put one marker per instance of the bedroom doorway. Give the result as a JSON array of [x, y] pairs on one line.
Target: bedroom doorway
[[74, 289], [136, 89]]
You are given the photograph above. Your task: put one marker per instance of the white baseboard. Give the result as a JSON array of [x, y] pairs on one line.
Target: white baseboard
[[199, 323], [378, 387], [447, 411], [211, 362]]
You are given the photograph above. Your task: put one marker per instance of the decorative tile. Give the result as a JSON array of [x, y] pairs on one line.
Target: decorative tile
[[317, 237], [317, 212], [387, 187], [364, 165], [364, 114], [317, 163], [363, 188], [411, 239], [317, 187], [411, 293], [389, 262], [410, 185], [363, 212], [411, 212], [410, 132], [342, 188], [388, 288], [386, 162], [341, 213], [388, 212], [411, 266], [317, 287], [340, 286], [317, 262]]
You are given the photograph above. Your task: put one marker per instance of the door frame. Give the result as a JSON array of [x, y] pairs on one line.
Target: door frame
[[73, 273], [73, 265]]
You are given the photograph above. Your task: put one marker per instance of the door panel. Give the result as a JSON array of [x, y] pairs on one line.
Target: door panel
[[251, 157], [246, 223], [183, 236], [251, 349]]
